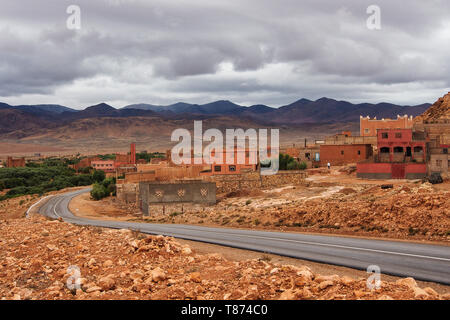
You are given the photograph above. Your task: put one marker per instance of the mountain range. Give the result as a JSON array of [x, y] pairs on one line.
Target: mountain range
[[323, 110], [22, 121]]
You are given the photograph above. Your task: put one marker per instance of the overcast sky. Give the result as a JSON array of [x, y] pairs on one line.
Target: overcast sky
[[269, 52]]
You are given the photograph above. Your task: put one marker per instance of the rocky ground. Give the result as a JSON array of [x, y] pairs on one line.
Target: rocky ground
[[121, 264], [412, 211]]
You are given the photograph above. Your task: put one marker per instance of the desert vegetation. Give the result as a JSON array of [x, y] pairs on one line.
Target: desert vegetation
[[40, 178]]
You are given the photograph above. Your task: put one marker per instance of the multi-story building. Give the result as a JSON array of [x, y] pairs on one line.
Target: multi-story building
[[369, 127], [439, 160], [402, 153], [104, 165]]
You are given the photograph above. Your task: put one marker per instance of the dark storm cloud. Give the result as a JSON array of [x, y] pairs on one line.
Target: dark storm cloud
[[256, 51]]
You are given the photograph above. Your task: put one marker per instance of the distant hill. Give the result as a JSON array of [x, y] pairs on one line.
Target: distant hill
[[39, 108], [18, 122], [323, 110], [332, 111], [105, 110], [221, 107], [22, 123]]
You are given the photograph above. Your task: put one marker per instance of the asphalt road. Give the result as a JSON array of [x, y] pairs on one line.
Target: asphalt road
[[420, 261]]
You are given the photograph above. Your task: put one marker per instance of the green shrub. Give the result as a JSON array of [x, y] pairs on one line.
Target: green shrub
[[99, 191], [103, 189], [293, 165], [286, 162], [98, 176], [303, 165], [38, 178]]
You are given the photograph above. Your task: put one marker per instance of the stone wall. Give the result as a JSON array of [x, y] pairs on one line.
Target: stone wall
[[253, 180], [129, 192], [174, 209]]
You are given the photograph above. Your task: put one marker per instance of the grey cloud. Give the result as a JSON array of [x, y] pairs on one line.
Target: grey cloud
[[177, 47]]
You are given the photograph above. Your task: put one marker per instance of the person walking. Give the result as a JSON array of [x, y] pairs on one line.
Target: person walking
[[329, 165]]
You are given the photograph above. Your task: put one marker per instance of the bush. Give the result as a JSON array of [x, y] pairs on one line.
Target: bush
[[99, 192], [293, 165], [103, 189], [98, 176], [286, 162], [284, 159]]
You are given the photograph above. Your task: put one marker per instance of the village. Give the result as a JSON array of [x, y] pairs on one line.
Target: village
[[385, 149], [381, 184]]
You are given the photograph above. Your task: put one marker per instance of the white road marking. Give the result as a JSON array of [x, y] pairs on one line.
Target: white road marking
[[33, 205], [54, 206], [341, 246], [306, 242]]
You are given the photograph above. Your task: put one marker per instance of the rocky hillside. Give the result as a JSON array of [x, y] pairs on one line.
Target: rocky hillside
[[120, 264], [438, 111]]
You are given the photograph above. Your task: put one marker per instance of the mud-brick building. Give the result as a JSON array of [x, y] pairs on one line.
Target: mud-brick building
[[15, 163], [369, 127], [402, 154], [438, 145], [439, 160], [104, 165], [343, 154]]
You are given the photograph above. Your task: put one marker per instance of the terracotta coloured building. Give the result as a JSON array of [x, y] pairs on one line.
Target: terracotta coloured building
[[368, 127], [85, 163], [402, 154], [104, 165], [122, 163], [15, 163], [242, 162], [338, 155]]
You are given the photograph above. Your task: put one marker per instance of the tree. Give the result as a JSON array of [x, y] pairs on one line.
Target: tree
[[99, 191], [98, 176]]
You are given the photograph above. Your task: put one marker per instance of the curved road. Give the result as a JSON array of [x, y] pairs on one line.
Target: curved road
[[421, 261]]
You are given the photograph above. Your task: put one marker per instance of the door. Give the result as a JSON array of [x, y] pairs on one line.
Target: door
[[398, 171]]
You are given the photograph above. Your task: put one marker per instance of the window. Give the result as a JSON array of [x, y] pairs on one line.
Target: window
[[232, 168], [217, 168], [307, 155], [418, 149], [398, 149], [398, 135], [342, 152], [445, 150], [384, 135], [439, 163], [359, 152], [366, 130], [384, 150]]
